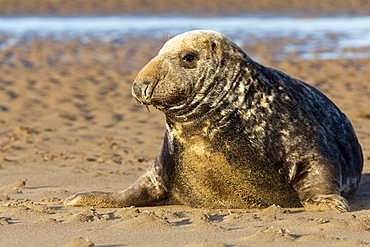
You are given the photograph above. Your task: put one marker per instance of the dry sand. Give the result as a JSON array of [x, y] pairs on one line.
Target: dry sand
[[68, 123]]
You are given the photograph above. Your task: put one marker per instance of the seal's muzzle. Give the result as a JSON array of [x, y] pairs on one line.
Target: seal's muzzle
[[140, 90]]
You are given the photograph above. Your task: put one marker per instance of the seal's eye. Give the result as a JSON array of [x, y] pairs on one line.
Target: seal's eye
[[188, 60], [188, 57]]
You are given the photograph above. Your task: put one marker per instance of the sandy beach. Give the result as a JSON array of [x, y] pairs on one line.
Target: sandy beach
[[68, 123]]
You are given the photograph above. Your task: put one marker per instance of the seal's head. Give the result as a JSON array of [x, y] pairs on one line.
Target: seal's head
[[185, 70]]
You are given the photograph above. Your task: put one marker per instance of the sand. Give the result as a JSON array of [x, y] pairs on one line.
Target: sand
[[180, 7], [68, 123]]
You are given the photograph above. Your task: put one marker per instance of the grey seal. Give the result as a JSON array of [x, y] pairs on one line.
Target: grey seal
[[238, 135]]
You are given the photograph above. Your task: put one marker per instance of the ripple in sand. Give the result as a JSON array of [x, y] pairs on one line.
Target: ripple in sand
[[271, 234]]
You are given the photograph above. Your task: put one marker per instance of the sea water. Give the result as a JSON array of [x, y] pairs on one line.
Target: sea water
[[349, 32]]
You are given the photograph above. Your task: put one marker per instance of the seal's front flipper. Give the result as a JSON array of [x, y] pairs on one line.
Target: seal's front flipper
[[149, 189], [326, 203], [96, 198], [318, 185]]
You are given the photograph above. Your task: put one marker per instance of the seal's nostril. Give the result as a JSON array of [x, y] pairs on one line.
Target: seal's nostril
[[141, 90], [137, 90]]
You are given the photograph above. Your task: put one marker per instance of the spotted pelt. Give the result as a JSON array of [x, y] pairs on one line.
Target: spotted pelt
[[239, 134]]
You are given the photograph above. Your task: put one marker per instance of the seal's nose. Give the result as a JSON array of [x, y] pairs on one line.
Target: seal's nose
[[146, 81], [140, 90]]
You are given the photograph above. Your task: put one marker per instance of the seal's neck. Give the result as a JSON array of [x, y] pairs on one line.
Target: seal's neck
[[223, 98], [213, 91], [236, 103]]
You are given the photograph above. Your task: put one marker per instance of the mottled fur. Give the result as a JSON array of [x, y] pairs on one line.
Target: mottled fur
[[239, 135]]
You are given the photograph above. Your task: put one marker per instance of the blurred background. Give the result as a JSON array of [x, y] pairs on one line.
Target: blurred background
[[324, 29], [178, 7]]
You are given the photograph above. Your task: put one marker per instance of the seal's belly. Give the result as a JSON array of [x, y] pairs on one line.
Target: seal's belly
[[207, 178]]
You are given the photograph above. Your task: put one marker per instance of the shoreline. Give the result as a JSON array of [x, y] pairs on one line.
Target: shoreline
[[318, 38], [177, 7]]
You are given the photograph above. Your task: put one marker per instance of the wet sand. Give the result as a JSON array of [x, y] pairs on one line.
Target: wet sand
[[178, 7], [68, 123]]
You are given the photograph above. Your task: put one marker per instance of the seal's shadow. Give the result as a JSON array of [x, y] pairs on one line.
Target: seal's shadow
[[362, 198]]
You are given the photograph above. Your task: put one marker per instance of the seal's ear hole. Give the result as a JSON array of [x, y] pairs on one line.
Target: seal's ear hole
[[213, 46]]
